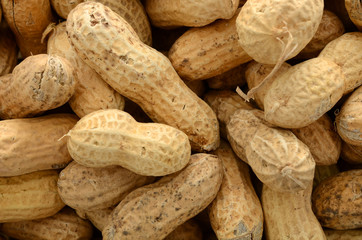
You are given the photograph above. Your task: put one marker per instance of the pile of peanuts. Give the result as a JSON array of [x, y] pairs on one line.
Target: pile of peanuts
[[180, 120]]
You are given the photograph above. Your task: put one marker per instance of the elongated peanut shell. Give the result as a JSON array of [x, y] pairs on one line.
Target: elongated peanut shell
[[278, 158], [92, 93], [9, 51], [290, 215], [39, 83], [112, 137], [349, 119], [322, 140], [32, 144], [166, 14], [110, 46], [354, 9], [270, 29], [337, 201], [91, 189], [27, 20], [154, 211], [205, 52], [64, 225], [29, 196], [236, 211], [304, 93], [346, 52]]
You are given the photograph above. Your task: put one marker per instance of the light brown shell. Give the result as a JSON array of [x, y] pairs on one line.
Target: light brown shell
[[168, 14], [99, 218], [29, 196], [303, 93], [27, 20], [337, 201], [154, 211], [64, 225], [63, 7], [229, 79], [91, 189], [9, 51], [33, 144], [190, 230], [140, 73], [112, 137], [39, 83], [224, 103], [278, 158], [329, 29], [322, 140], [354, 234], [265, 27], [349, 119], [346, 52], [205, 52], [256, 72], [354, 9], [236, 211], [92, 93], [290, 215]]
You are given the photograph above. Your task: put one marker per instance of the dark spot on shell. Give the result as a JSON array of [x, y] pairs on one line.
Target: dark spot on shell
[[125, 233]]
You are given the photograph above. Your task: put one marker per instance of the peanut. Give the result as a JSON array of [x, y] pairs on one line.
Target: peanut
[[354, 9]]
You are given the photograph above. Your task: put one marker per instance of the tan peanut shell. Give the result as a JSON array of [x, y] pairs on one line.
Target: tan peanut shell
[[303, 93], [39, 83], [351, 154], [236, 211], [91, 189], [29, 196], [270, 30], [354, 9], [190, 230], [8, 49], [349, 119], [32, 144], [169, 14], [256, 72], [322, 140], [337, 201], [224, 103], [346, 52], [229, 79], [65, 225], [205, 52], [289, 215], [99, 218], [354, 234], [155, 210], [112, 137], [278, 158], [330, 28], [27, 20], [63, 7], [92, 93], [140, 73]]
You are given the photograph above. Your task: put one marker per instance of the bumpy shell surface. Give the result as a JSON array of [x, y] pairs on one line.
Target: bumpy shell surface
[[112, 137], [265, 27], [110, 46], [337, 201], [92, 93], [29, 196], [65, 225], [39, 83], [31, 144], [317, 83], [349, 119], [154, 211], [205, 52], [190, 13], [354, 9], [91, 189], [236, 211], [290, 215], [346, 52]]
